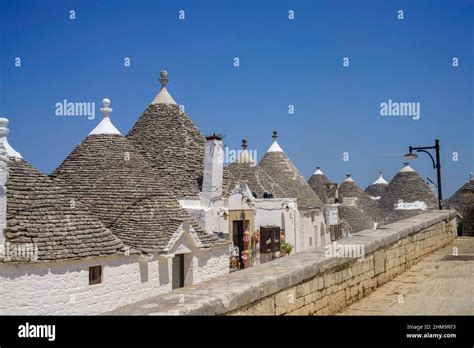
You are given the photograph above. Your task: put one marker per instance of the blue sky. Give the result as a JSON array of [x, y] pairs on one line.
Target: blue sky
[[282, 62]]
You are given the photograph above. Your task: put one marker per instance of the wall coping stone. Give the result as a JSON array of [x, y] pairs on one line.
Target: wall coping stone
[[228, 292]]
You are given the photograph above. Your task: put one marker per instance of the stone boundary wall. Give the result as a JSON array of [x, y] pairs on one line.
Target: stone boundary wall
[[310, 283]]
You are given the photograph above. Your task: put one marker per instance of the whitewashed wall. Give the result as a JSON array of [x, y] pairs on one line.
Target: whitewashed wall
[[208, 265], [309, 226], [63, 287], [200, 264], [271, 212], [209, 214]]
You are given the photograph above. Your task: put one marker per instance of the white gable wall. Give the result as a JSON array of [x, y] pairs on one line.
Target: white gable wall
[[201, 264]]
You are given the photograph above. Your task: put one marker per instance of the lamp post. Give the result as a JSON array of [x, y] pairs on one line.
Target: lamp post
[[436, 164]]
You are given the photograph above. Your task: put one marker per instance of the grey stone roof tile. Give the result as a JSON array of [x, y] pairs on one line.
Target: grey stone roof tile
[[376, 190], [408, 187], [172, 144], [372, 208], [257, 179], [287, 176], [318, 183], [48, 216], [131, 197]]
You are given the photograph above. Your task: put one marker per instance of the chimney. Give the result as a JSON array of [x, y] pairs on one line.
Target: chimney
[[213, 168]]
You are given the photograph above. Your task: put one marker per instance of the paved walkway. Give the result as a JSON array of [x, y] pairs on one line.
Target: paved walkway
[[441, 284]]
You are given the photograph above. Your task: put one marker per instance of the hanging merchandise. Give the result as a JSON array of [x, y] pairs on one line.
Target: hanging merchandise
[[269, 239]]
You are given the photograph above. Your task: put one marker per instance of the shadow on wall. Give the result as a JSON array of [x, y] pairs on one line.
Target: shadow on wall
[[143, 265], [163, 270]]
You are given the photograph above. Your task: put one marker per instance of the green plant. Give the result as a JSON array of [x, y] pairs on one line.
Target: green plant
[[286, 247]]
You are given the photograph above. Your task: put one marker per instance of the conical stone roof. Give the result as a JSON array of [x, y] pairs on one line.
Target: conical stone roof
[[171, 142], [43, 214], [377, 188], [173, 145], [467, 188], [277, 164], [407, 186], [354, 219], [463, 201], [43, 219], [349, 189], [319, 183], [118, 185], [245, 170]]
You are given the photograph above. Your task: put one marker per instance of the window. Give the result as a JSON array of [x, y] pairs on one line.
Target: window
[[310, 241], [95, 275]]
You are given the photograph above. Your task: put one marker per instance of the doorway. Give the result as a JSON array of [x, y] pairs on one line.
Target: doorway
[[178, 271], [238, 238]]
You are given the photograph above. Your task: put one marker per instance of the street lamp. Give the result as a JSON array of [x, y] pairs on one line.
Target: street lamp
[[436, 164]]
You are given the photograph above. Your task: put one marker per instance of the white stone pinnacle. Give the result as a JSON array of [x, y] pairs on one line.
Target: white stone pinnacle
[[275, 147], [348, 179], [105, 126], [380, 180], [318, 171], [11, 152], [407, 168]]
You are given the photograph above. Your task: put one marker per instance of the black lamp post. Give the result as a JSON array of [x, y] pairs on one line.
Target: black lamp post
[[436, 164]]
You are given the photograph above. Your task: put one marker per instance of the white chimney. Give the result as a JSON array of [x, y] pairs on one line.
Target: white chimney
[[213, 168]]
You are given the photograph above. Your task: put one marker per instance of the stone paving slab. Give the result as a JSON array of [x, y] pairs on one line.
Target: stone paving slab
[[435, 286]]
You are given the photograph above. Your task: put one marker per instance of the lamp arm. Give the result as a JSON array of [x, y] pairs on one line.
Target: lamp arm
[[432, 159]]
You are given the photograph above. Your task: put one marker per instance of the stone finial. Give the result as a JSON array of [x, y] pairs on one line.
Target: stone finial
[[275, 147], [4, 131], [244, 144], [471, 176], [163, 78], [106, 110], [105, 126], [163, 97]]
